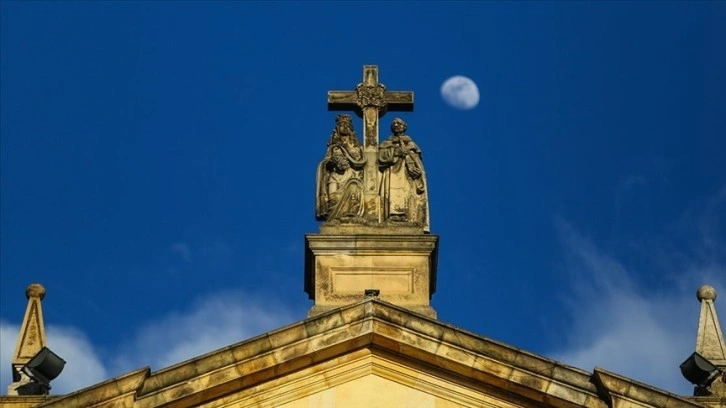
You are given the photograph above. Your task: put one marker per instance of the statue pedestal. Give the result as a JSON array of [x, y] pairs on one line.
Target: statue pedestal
[[400, 262]]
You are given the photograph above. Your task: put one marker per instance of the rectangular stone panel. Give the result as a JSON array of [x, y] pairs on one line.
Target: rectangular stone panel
[[340, 267], [355, 279]]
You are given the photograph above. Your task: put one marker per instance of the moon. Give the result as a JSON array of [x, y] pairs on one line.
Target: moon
[[460, 92]]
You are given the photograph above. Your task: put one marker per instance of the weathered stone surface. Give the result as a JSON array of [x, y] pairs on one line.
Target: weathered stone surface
[[710, 342], [569, 394], [289, 335], [376, 229], [370, 100], [25, 401], [403, 186], [339, 182], [339, 357], [574, 377], [710, 402], [624, 392], [117, 391], [340, 268], [250, 348]]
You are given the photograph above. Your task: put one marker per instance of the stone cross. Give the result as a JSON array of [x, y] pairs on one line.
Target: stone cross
[[370, 100]]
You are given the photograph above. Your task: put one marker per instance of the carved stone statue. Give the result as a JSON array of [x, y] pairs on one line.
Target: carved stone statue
[[403, 190], [340, 175]]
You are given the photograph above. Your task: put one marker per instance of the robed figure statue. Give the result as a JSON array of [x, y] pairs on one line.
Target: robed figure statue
[[340, 175], [403, 189]]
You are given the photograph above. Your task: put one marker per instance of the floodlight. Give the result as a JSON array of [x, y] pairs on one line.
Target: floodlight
[[699, 371], [371, 292], [32, 388], [44, 367]]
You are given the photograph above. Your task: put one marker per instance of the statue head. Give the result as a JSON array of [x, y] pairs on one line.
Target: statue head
[[344, 124], [398, 126], [343, 131]]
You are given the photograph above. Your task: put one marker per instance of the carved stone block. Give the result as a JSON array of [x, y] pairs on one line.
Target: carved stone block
[[400, 264]]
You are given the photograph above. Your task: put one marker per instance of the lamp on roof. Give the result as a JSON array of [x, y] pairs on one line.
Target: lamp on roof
[[699, 371], [43, 368]]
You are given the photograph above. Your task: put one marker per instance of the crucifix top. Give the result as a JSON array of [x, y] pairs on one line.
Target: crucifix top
[[370, 100]]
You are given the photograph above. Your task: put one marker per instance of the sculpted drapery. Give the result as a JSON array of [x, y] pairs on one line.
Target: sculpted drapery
[[340, 174], [403, 189]]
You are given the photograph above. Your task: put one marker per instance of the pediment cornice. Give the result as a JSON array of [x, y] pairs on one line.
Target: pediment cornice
[[379, 327]]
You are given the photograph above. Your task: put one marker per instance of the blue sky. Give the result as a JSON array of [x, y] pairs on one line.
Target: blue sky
[[158, 170]]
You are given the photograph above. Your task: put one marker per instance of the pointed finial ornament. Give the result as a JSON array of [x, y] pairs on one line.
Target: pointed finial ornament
[[32, 335], [710, 341]]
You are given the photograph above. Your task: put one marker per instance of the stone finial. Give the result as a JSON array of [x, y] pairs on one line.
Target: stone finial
[[706, 292], [31, 338], [35, 290], [710, 340]]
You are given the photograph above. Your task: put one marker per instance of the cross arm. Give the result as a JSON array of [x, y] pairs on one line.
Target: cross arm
[[342, 101], [401, 101]]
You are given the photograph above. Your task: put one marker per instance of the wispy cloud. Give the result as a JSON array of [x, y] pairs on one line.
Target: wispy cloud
[[631, 325], [211, 322], [214, 321], [8, 337]]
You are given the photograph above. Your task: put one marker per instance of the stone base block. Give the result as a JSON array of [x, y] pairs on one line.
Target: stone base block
[[340, 268]]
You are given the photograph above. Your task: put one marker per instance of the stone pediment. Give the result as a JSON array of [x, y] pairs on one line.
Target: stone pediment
[[370, 354]]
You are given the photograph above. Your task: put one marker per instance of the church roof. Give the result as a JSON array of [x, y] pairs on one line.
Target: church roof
[[368, 337]]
